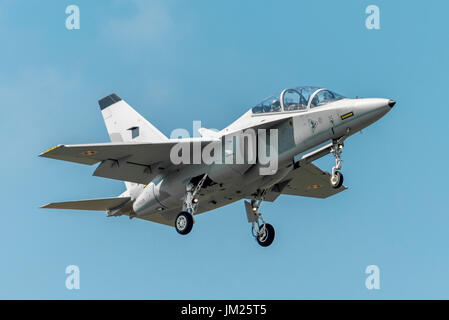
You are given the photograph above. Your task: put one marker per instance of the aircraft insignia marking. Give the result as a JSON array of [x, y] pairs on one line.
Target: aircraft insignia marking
[[89, 153], [314, 186], [347, 115]]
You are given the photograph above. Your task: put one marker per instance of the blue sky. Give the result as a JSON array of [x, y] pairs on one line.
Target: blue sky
[[178, 61]]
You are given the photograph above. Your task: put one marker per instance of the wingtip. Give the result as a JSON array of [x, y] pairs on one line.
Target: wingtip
[[51, 149]]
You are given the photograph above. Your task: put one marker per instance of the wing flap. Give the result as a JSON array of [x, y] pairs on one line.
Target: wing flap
[[127, 171], [93, 204]]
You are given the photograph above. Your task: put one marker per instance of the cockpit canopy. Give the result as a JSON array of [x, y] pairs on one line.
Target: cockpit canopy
[[297, 99]]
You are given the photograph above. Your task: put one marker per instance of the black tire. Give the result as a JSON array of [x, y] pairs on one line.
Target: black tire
[[267, 238], [339, 181], [184, 223]]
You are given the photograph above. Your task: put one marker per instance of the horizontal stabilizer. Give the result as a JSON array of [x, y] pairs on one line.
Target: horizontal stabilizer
[[94, 204]]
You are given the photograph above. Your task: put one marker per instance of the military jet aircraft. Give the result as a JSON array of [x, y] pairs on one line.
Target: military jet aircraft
[[296, 127]]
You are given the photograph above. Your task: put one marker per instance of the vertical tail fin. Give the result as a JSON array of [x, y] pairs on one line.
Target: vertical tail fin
[[126, 124]]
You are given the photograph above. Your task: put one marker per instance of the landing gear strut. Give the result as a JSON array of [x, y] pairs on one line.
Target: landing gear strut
[[262, 231], [184, 221], [336, 179]]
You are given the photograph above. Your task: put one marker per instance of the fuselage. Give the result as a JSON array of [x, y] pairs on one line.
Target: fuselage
[[299, 129]]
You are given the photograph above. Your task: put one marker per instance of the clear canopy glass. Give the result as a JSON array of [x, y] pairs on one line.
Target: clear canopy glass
[[295, 99], [270, 104], [323, 97]]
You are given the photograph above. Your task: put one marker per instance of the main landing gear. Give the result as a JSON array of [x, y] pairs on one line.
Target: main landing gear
[[336, 179], [184, 221], [262, 231]]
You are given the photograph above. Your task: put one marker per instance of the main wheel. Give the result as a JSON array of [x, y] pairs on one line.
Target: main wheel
[[336, 180], [265, 236], [184, 222]]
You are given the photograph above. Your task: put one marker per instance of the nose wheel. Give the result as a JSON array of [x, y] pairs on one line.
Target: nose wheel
[[336, 179]]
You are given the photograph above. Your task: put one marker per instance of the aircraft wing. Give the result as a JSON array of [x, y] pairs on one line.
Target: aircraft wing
[[309, 181], [94, 204], [306, 179], [133, 162]]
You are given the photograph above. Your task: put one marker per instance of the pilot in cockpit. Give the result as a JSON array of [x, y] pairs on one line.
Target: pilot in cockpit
[[275, 105]]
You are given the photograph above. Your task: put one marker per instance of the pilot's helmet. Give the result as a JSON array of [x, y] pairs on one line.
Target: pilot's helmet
[[275, 104]]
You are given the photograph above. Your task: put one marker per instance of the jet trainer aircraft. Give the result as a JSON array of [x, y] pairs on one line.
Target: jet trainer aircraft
[[302, 124]]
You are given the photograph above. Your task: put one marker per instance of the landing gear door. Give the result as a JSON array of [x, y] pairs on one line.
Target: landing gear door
[[251, 215]]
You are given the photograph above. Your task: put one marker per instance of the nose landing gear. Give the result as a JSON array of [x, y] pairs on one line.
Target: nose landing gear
[[262, 231], [336, 179]]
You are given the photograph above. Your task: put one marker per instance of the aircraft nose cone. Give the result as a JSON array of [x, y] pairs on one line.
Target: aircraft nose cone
[[391, 103]]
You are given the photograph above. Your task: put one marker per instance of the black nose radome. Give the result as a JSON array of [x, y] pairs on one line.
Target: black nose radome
[[391, 103]]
